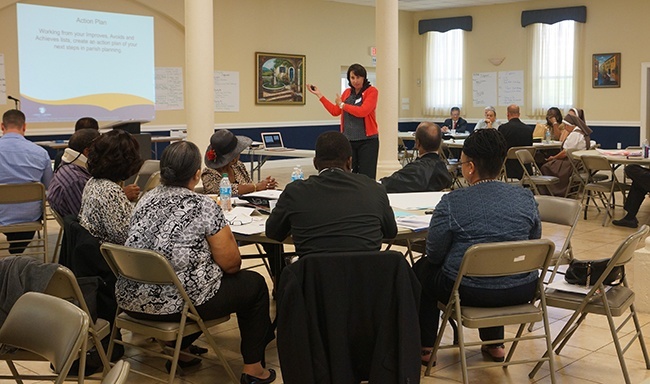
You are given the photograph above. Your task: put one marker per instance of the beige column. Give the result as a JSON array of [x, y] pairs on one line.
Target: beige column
[[386, 33], [199, 71]]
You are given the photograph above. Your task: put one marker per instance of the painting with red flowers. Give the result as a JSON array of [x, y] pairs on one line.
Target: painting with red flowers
[[280, 78]]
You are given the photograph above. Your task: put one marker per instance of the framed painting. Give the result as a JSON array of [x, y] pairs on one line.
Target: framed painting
[[606, 70], [280, 79]]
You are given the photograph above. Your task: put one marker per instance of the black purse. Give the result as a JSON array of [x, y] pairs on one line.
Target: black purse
[[586, 272]]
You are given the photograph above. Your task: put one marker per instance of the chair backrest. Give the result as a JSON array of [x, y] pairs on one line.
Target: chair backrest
[[144, 266], [63, 284], [625, 250], [153, 182], [22, 193], [148, 168], [512, 155], [47, 326], [596, 163], [118, 374], [506, 258], [558, 210], [524, 156]]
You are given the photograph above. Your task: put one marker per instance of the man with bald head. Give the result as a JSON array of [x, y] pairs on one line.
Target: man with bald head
[[517, 134], [426, 173]]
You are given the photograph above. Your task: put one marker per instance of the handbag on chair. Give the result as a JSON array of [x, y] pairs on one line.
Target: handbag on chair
[[587, 272]]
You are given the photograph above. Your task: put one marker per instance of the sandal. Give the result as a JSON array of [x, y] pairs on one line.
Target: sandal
[[424, 353]]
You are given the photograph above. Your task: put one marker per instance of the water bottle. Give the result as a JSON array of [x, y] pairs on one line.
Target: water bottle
[[645, 149], [547, 135], [297, 173], [301, 173], [225, 193]]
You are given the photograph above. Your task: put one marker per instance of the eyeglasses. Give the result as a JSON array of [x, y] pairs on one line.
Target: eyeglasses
[[236, 222], [464, 162]]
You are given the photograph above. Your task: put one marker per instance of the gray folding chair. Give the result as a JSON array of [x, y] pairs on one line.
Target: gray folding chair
[[47, 327], [25, 193], [63, 284], [149, 267], [614, 303], [491, 260], [604, 189], [534, 178], [564, 214]]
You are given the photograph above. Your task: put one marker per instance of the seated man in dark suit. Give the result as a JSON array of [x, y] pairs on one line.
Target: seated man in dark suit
[[517, 134], [336, 210], [455, 122], [426, 173]]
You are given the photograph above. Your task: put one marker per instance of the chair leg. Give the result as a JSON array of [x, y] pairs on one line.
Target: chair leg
[[617, 343], [220, 355], [637, 325], [14, 371]]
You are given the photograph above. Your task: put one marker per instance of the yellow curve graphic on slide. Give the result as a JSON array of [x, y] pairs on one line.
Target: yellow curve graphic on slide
[[109, 101]]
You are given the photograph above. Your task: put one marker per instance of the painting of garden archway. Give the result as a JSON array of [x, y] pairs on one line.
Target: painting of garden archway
[[280, 78]]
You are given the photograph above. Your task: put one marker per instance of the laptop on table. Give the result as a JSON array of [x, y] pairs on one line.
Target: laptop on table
[[272, 141]]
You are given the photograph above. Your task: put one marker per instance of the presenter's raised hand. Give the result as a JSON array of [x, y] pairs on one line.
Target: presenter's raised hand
[[314, 89]]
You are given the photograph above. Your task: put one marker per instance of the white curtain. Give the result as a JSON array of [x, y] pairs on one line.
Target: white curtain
[[443, 72], [553, 66]]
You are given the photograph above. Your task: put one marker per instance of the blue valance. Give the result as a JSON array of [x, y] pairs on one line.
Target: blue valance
[[445, 24], [554, 15]]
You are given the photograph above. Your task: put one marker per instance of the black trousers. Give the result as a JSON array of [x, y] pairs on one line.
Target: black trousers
[[640, 177], [364, 157], [244, 293], [15, 248], [436, 286]]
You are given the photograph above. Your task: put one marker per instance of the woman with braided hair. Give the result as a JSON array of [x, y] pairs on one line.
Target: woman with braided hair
[[485, 212]]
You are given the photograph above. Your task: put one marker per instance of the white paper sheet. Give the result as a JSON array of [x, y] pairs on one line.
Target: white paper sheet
[[415, 201]]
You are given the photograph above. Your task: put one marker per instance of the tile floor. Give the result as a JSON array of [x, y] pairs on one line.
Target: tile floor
[[588, 358]]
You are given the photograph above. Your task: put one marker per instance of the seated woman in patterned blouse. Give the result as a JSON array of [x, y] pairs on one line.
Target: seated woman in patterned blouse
[[190, 230], [222, 156], [105, 208]]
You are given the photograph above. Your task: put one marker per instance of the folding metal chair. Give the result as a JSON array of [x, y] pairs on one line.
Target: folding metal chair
[[491, 260], [149, 267], [534, 178], [63, 284], [41, 326], [605, 189], [511, 158], [615, 302], [563, 213], [25, 193]]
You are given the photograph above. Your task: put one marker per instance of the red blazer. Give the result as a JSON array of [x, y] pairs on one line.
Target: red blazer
[[365, 110]]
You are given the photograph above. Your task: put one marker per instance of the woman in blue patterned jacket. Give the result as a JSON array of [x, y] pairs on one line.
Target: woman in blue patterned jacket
[[487, 211]]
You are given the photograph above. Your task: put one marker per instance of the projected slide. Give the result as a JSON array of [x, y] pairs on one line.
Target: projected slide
[[76, 63]]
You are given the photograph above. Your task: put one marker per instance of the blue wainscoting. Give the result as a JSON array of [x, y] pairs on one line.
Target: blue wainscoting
[[304, 137]]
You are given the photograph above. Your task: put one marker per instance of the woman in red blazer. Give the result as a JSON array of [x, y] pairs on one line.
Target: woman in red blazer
[[358, 121]]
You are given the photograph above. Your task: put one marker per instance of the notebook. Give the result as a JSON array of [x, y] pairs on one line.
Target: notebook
[[273, 141]]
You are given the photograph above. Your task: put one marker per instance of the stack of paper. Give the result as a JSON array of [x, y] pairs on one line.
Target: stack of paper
[[414, 222]]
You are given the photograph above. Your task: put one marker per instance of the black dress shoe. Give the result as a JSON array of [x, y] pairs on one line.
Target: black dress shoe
[[630, 223], [196, 350], [248, 379], [183, 364]]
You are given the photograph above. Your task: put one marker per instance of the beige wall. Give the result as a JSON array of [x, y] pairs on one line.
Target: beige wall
[[332, 35], [611, 27]]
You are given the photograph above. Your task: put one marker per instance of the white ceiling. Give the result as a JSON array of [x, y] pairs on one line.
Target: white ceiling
[[425, 5]]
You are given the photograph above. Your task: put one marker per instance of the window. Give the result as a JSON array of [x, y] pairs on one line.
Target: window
[[443, 74], [553, 66]]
